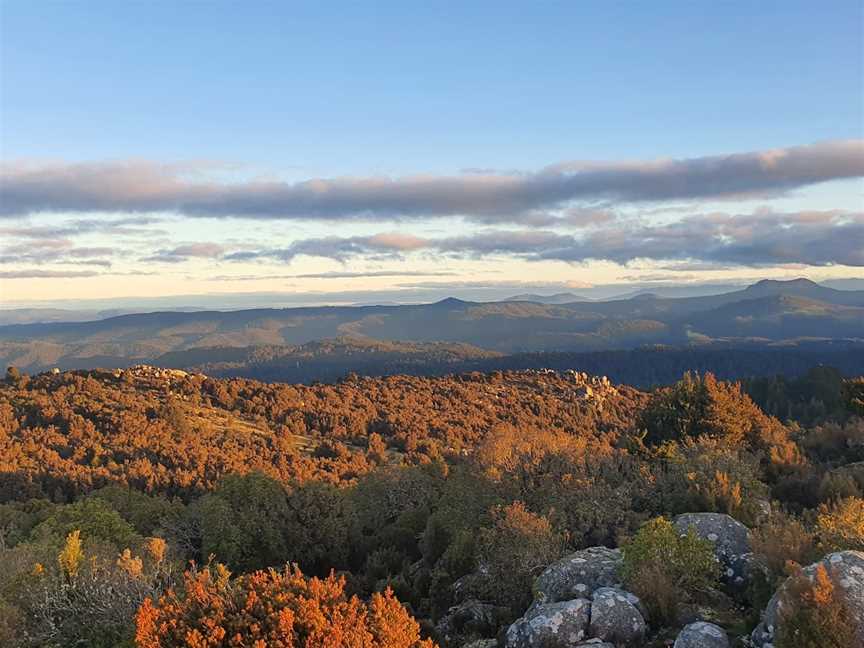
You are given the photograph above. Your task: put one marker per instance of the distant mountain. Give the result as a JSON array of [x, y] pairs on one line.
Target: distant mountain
[[42, 315], [558, 298], [770, 311], [679, 291]]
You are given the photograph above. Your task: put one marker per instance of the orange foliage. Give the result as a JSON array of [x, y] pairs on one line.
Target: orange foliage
[[275, 610]]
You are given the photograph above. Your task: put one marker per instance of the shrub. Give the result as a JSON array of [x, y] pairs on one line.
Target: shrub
[[781, 539], [517, 547], [840, 525], [666, 568], [705, 475], [275, 609], [812, 614], [89, 600]]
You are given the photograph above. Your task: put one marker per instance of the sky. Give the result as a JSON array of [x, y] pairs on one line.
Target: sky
[[263, 152]]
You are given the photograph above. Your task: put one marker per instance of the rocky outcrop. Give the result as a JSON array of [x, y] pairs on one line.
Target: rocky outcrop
[[482, 643], [578, 575], [702, 635], [731, 541], [846, 570], [616, 617], [551, 625], [470, 618]]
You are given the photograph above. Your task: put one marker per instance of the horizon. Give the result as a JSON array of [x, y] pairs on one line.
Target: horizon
[[311, 156]]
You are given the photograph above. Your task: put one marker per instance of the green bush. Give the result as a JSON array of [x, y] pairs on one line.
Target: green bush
[[666, 568]]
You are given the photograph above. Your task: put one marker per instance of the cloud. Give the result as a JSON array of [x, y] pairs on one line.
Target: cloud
[[57, 251], [47, 274], [148, 187], [817, 238], [374, 273], [185, 252], [131, 226]]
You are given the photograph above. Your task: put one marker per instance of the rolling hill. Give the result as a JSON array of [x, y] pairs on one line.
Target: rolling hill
[[769, 312]]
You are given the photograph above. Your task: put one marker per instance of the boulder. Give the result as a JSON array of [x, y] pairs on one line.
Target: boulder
[[615, 617], [469, 617], [702, 635], [846, 570], [473, 585], [551, 625], [729, 537], [482, 643], [578, 575], [594, 643], [731, 541], [739, 571]]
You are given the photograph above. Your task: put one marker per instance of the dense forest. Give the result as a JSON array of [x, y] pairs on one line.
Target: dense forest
[[155, 508], [646, 367]]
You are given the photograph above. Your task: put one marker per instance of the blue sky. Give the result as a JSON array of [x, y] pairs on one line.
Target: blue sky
[[302, 91]]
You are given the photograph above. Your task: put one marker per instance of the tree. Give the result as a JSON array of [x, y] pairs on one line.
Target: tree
[[13, 376], [243, 522]]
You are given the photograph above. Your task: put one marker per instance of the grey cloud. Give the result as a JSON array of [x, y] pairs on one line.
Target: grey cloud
[[150, 187], [374, 273], [760, 239], [56, 251], [183, 253], [386, 244], [133, 225], [47, 274]]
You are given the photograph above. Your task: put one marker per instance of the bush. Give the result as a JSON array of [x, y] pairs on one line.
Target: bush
[[705, 475], [666, 569], [812, 615], [781, 539], [840, 525], [89, 600], [277, 609], [517, 547]]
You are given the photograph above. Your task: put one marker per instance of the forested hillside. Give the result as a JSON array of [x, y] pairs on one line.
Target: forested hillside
[[402, 510]]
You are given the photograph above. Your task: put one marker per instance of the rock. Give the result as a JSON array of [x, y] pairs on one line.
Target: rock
[[472, 585], [469, 617], [739, 571], [730, 538], [482, 643], [702, 635], [731, 541], [594, 643], [551, 625], [615, 616], [846, 570], [578, 575]]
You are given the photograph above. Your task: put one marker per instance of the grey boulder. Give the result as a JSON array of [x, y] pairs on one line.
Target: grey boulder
[[731, 541], [578, 575], [846, 570], [729, 537], [616, 617], [469, 617], [702, 635], [551, 625]]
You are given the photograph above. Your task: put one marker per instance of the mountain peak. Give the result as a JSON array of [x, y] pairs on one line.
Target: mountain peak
[[801, 282], [450, 302]]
